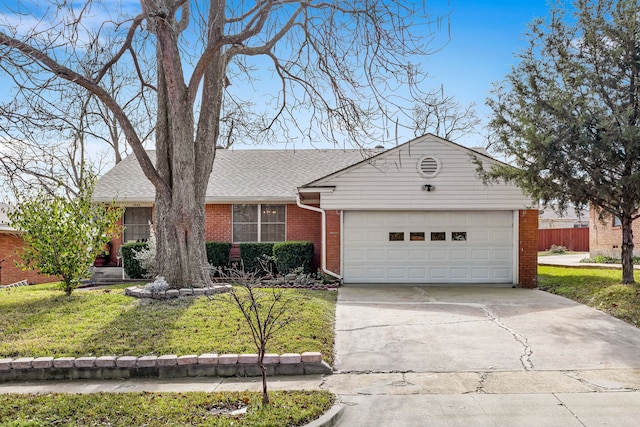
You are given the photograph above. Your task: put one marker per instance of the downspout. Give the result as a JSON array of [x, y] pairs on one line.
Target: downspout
[[323, 254]]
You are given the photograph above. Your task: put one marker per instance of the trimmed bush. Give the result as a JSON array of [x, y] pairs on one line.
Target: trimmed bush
[[131, 265], [292, 255], [250, 253], [218, 253]]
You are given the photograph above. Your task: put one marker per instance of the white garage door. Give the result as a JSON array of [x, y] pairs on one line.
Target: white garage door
[[428, 247]]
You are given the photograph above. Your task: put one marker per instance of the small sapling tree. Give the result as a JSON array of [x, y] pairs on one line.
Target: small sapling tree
[[266, 312], [63, 235]]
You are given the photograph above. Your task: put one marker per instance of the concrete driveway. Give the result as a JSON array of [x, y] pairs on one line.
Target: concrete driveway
[[481, 356]]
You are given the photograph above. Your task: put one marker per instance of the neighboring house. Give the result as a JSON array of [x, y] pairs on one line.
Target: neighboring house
[[10, 246], [605, 235], [416, 213], [572, 218]]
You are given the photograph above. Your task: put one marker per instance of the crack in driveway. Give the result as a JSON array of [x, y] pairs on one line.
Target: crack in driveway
[[527, 350], [362, 328]]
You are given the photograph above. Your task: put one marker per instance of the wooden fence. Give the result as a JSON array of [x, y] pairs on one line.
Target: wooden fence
[[575, 239]]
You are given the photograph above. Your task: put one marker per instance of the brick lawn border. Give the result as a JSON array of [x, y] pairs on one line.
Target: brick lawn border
[[162, 367]]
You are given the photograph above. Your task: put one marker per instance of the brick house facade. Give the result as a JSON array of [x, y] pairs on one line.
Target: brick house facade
[[11, 244], [416, 213], [605, 236]]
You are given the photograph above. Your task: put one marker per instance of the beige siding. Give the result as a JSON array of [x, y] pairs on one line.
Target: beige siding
[[391, 182]]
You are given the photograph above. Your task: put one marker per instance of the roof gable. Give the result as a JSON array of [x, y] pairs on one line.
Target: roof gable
[[395, 179], [387, 154]]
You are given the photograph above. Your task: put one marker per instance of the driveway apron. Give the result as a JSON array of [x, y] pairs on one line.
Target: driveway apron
[[481, 356]]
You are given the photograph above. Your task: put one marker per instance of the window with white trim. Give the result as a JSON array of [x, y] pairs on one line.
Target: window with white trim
[[259, 223], [136, 224]]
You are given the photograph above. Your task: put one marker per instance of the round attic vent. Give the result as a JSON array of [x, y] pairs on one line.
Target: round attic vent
[[428, 166]]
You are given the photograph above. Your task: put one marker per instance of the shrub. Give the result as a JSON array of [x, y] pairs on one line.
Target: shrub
[[218, 253], [557, 249], [147, 255], [292, 255], [131, 265], [250, 253]]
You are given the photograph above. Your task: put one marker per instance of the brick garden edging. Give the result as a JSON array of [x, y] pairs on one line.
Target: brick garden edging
[[141, 292], [162, 367]]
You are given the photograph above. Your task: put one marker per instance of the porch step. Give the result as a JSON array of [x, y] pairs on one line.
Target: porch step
[[109, 276]]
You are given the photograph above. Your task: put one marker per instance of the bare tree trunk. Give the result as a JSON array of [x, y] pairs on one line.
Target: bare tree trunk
[[184, 162], [263, 371], [627, 250]]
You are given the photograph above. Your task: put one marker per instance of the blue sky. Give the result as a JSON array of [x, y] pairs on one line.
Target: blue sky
[[484, 39], [477, 45]]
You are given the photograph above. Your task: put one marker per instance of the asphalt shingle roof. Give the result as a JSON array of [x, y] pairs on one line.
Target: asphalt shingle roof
[[245, 175]]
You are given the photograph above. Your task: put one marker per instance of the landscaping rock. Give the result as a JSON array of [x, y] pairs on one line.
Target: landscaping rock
[[126, 361], [208, 359], [106, 362], [43, 362], [167, 360]]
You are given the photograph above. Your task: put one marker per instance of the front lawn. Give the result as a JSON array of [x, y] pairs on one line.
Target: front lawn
[[41, 321], [294, 408], [596, 288]]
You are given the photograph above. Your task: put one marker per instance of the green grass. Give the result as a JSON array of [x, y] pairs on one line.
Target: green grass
[[596, 288], [161, 409], [41, 321]]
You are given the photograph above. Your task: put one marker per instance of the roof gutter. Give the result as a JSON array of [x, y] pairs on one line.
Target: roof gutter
[[323, 255]]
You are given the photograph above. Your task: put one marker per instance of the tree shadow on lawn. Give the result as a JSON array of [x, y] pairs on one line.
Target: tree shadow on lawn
[[147, 327], [106, 322], [94, 323], [181, 326]]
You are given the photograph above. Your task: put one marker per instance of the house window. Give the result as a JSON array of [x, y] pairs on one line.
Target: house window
[[438, 236], [459, 236], [259, 223], [396, 236], [617, 222], [136, 224]]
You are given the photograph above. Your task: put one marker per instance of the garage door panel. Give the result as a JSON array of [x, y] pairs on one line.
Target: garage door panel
[[418, 273], [480, 254], [438, 274], [437, 254], [460, 274], [459, 254], [479, 273], [417, 255], [397, 274], [502, 273], [397, 255], [501, 255], [486, 256], [502, 237], [376, 255]]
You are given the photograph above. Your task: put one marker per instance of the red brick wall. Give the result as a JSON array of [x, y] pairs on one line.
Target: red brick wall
[[217, 223], [303, 224], [115, 245], [333, 241], [528, 249], [9, 245], [605, 239]]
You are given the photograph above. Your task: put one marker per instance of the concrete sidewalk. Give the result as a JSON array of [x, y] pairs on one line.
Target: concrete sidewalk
[[512, 398], [573, 260]]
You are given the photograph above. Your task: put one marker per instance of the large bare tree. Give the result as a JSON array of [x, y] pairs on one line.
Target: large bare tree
[[52, 134], [329, 67]]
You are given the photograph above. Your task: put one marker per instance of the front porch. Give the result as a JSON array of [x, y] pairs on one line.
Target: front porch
[[109, 276]]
